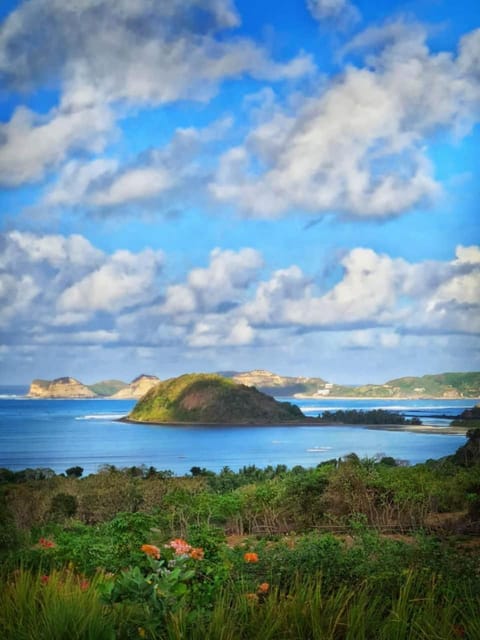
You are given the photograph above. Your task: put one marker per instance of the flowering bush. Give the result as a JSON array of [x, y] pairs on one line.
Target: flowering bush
[[164, 584]]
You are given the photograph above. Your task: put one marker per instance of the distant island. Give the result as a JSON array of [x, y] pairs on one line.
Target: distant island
[[440, 386], [71, 388]]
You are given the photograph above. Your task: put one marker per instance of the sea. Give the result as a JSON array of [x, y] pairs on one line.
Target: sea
[[58, 434]]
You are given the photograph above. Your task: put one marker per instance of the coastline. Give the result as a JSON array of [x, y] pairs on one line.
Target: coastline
[[424, 428], [300, 396]]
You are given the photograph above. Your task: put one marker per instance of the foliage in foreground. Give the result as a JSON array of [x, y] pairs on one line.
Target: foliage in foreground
[[93, 558], [133, 605]]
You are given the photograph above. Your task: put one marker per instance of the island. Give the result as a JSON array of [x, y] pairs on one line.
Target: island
[[438, 386], [200, 398], [211, 399], [68, 387]]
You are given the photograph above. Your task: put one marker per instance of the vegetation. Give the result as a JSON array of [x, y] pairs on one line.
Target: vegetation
[[374, 417], [453, 385], [107, 387], [469, 418], [211, 398], [449, 385], [259, 553]]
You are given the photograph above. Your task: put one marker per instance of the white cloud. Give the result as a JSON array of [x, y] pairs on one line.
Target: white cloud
[[359, 146], [63, 290], [177, 171], [57, 250], [150, 53], [135, 184], [76, 178], [223, 282], [52, 281], [31, 144], [341, 13], [375, 290], [124, 280], [221, 331]]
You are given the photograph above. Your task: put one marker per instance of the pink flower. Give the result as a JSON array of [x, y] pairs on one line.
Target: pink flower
[[181, 547]]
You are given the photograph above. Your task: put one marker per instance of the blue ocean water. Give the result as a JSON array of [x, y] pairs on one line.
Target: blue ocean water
[[62, 433]]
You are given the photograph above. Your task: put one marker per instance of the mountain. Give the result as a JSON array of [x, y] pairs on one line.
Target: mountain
[[211, 398], [443, 385], [107, 388], [60, 388], [137, 388], [276, 385]]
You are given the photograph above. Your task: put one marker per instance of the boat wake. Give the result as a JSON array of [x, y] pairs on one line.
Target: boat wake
[[101, 416]]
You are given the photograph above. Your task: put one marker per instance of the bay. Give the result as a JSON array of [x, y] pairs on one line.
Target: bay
[[58, 434]]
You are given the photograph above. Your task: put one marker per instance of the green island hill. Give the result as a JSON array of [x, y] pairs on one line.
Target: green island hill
[[211, 399]]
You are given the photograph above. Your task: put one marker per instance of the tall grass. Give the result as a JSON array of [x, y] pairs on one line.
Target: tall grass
[[60, 609], [308, 612], [59, 606]]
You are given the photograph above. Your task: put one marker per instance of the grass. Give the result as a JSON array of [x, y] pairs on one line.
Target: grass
[[422, 609], [56, 607], [308, 612]]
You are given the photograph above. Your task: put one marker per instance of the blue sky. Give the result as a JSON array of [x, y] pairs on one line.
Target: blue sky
[[202, 185]]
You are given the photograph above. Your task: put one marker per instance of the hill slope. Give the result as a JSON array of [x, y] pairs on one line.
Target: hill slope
[[274, 384], [107, 388], [210, 398], [137, 388], [442, 385], [60, 388]]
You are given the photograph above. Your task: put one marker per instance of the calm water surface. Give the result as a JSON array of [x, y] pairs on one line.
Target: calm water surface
[[62, 433]]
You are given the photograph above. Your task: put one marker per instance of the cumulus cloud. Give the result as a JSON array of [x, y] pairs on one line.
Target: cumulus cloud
[[175, 172], [31, 144], [219, 286], [124, 280], [218, 331], [375, 291], [340, 13], [49, 281], [150, 53], [358, 147], [63, 290]]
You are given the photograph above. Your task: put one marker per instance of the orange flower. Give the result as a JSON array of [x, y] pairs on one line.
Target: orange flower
[[180, 547], [44, 579], [197, 553], [151, 550], [252, 597], [46, 544], [263, 588], [84, 584], [250, 557]]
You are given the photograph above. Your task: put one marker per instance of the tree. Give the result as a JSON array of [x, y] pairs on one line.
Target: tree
[[74, 472]]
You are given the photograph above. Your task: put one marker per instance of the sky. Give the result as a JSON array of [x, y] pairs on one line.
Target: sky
[[210, 185]]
